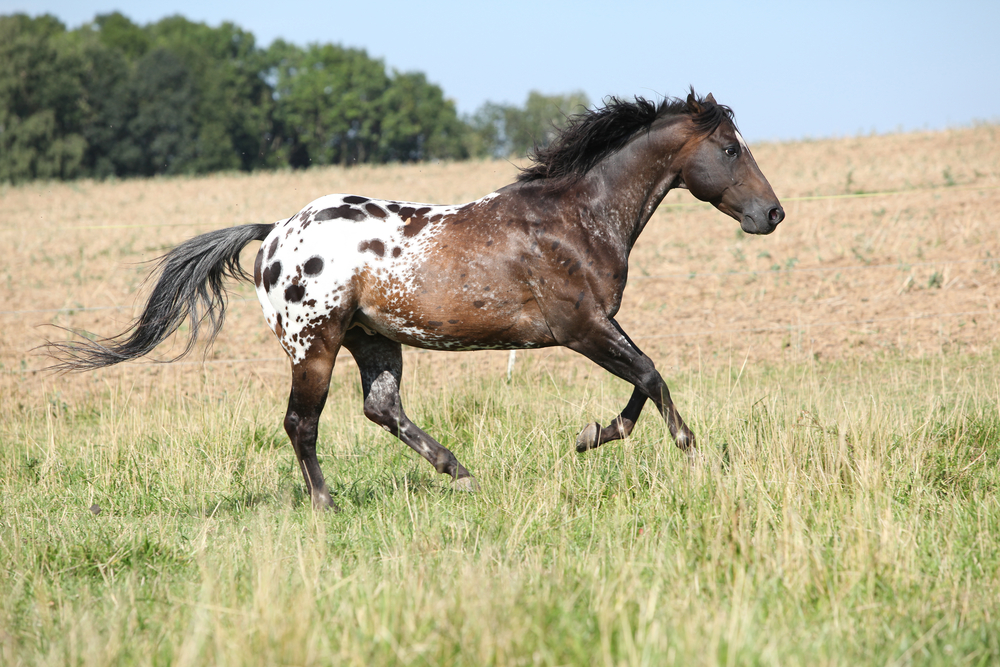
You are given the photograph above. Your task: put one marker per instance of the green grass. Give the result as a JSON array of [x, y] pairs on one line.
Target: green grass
[[841, 514]]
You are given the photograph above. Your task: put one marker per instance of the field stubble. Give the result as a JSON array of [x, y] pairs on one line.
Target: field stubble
[[841, 375]]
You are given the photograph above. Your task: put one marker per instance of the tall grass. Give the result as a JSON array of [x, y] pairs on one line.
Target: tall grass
[[841, 513]]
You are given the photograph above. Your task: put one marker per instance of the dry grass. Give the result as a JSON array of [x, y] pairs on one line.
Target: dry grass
[[845, 511]]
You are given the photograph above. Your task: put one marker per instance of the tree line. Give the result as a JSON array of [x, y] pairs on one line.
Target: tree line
[[113, 98]]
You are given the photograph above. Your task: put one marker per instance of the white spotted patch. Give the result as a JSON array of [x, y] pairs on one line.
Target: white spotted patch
[[308, 261]]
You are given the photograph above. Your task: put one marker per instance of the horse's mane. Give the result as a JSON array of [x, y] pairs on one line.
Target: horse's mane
[[593, 135]]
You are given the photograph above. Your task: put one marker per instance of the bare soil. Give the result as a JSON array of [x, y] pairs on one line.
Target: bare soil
[[889, 247]]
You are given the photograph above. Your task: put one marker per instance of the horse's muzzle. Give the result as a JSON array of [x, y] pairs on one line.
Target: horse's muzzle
[[763, 219]]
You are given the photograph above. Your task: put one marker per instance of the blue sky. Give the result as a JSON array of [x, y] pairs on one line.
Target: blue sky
[[789, 70]]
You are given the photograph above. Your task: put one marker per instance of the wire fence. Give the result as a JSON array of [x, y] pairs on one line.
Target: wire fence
[[666, 276], [903, 266], [696, 204]]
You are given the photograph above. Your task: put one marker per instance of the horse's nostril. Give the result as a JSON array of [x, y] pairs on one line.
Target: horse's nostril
[[775, 215]]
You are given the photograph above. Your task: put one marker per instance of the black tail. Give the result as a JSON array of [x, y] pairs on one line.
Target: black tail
[[191, 280]]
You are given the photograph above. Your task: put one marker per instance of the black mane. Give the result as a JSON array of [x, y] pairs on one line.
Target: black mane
[[593, 135]]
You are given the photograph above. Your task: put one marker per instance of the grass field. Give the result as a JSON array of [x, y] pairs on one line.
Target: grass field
[[841, 375]]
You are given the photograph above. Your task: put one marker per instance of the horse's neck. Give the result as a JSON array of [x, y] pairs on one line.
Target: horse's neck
[[627, 186]]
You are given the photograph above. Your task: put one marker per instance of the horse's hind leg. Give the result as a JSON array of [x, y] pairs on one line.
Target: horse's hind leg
[[380, 361], [310, 384]]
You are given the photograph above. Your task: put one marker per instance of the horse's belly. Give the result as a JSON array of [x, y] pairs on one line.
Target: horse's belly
[[454, 323]]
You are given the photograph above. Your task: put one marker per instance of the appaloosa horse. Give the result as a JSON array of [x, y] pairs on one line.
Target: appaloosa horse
[[540, 262]]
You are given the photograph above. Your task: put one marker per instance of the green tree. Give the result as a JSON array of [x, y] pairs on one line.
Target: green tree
[[418, 123], [105, 81], [487, 131], [175, 96], [233, 105], [328, 102], [40, 91], [116, 32], [498, 130], [161, 130]]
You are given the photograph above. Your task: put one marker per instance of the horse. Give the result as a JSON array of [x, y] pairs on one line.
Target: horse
[[540, 262]]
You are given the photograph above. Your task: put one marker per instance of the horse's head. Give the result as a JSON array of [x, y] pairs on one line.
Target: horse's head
[[718, 168]]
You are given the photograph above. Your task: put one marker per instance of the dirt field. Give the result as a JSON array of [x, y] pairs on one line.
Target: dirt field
[[889, 247]]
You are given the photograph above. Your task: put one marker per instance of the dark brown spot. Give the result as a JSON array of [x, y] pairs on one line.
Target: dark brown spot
[[375, 245], [279, 319], [354, 199], [574, 268], [555, 244], [422, 211], [270, 250], [344, 211], [257, 263], [375, 210], [487, 288], [397, 251], [275, 270], [490, 242], [414, 225], [436, 217], [452, 321], [406, 212], [393, 207], [434, 324], [478, 304], [314, 266], [294, 293]]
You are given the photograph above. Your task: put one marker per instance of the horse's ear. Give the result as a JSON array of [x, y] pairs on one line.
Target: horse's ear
[[693, 105], [710, 99]]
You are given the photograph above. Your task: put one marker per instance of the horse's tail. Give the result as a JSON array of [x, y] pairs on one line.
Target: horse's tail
[[190, 286]]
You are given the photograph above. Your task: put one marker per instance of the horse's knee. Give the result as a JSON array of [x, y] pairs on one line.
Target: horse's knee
[[292, 421], [652, 385], [382, 402], [378, 412]]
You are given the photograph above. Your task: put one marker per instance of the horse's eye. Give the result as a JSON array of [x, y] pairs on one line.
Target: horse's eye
[[732, 151]]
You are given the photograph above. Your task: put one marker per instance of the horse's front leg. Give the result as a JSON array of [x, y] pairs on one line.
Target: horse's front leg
[[593, 435], [608, 346]]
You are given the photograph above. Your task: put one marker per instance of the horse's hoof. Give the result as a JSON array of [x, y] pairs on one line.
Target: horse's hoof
[[588, 438], [326, 507], [467, 484], [323, 501], [685, 440]]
